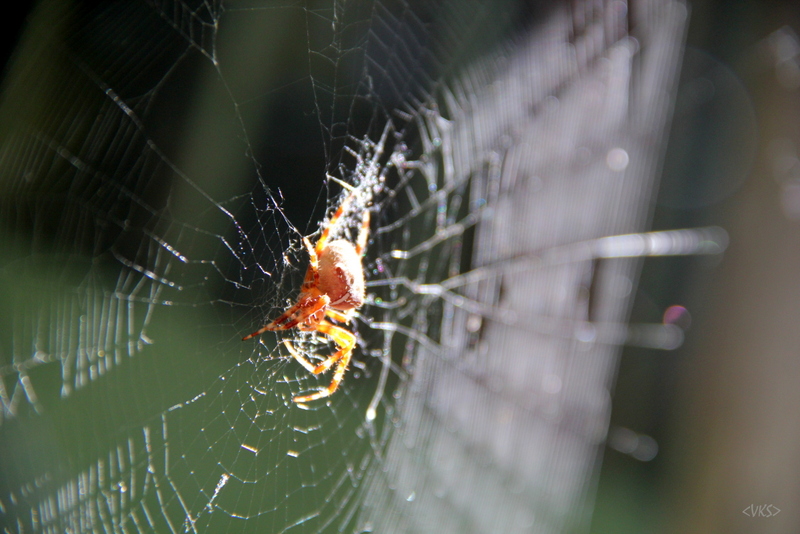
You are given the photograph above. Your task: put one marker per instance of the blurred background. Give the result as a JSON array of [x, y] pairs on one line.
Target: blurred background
[[98, 106], [722, 407]]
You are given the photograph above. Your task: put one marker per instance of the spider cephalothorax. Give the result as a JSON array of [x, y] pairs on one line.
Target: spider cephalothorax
[[333, 287]]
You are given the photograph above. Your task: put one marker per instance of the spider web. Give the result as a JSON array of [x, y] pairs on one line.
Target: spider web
[[162, 162]]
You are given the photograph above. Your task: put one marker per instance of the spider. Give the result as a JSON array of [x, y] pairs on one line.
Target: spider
[[333, 287]]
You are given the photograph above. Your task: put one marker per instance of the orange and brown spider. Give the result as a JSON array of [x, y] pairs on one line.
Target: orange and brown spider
[[333, 287]]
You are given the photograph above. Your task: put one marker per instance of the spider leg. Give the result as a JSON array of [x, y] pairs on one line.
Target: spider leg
[[331, 389], [346, 341], [323, 239], [339, 316], [302, 310], [312, 274], [363, 234], [299, 357]]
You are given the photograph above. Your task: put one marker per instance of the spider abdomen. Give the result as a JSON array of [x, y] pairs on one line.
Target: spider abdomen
[[341, 276]]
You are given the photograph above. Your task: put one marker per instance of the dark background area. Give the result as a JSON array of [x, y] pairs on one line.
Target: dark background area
[[13, 24]]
